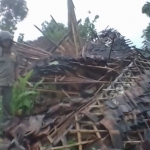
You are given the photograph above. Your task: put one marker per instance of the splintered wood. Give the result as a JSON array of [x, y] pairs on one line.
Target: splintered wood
[[94, 95], [116, 117]]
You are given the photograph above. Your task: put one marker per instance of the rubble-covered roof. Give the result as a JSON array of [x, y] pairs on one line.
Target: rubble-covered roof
[[115, 118], [91, 97], [120, 47], [100, 48], [81, 105]]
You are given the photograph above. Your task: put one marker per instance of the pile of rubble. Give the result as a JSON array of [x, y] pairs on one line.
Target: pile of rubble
[[93, 96], [113, 116], [110, 43], [103, 48]]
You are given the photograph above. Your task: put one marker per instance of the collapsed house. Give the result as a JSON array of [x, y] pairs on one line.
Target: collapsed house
[[93, 96]]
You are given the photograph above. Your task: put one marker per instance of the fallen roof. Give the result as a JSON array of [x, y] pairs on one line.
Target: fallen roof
[[95, 111], [101, 48], [110, 42], [116, 118]]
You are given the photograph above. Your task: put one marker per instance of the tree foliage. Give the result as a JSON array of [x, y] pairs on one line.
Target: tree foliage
[[87, 29], [53, 30], [146, 10], [57, 31], [146, 33], [11, 13]]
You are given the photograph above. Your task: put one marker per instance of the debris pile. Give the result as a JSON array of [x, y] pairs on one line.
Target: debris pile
[[115, 118], [68, 79], [102, 48], [110, 42], [94, 96], [28, 54], [70, 86]]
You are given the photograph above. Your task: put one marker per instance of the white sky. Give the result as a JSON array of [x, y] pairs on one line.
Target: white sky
[[123, 15]]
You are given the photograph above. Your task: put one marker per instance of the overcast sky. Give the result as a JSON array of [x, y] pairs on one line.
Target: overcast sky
[[123, 15]]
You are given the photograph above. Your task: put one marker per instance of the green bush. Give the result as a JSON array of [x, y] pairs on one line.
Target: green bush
[[23, 98]]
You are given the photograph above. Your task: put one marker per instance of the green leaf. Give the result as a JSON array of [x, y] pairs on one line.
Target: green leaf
[[38, 83], [26, 93], [27, 103], [28, 75]]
